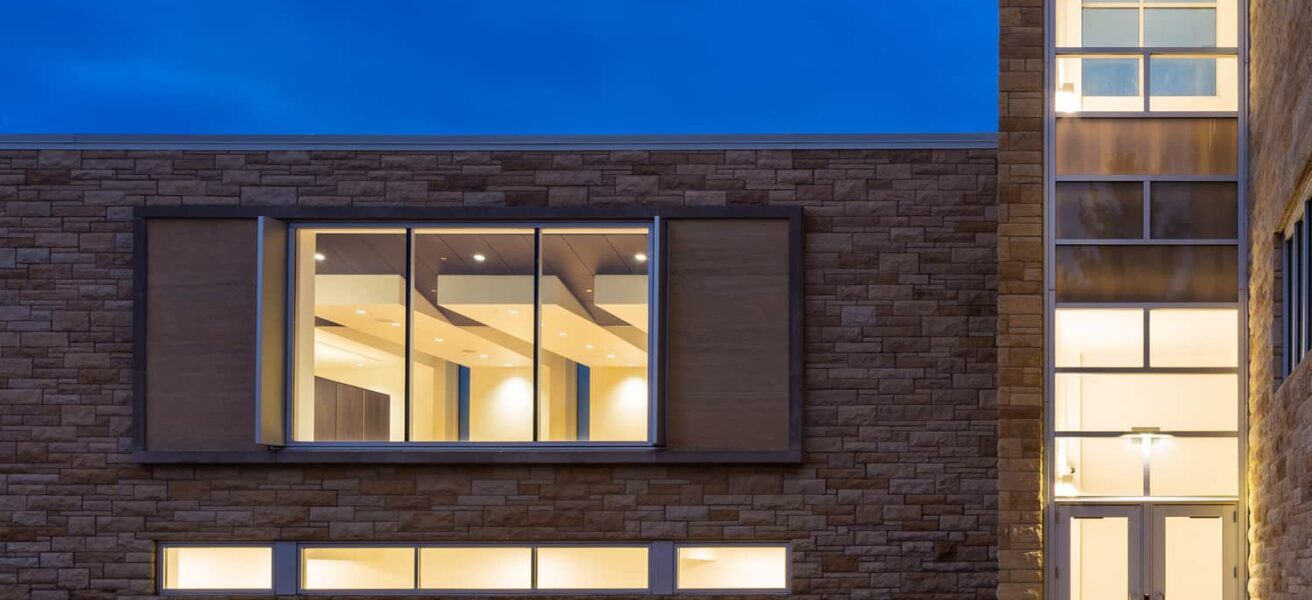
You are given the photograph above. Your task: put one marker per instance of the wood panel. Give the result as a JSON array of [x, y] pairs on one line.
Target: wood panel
[[272, 374], [346, 413], [1161, 146], [200, 315], [728, 292]]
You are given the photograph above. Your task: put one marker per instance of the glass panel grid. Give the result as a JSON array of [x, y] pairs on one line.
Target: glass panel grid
[[459, 341]]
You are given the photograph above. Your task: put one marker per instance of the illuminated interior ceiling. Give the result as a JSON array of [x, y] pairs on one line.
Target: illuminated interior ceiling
[[504, 302], [594, 294]]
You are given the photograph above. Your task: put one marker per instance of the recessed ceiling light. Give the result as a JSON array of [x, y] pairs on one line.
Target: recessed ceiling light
[[589, 346], [443, 258], [589, 290], [513, 311], [480, 257], [628, 364], [361, 311], [438, 340], [508, 364], [395, 324], [482, 356], [560, 333], [359, 364], [610, 356], [319, 256], [640, 257]]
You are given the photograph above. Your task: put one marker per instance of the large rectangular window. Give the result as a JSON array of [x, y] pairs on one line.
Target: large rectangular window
[[472, 334], [732, 568]]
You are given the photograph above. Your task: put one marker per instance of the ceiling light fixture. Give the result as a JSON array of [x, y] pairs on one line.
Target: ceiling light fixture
[[610, 356], [482, 356], [589, 346], [480, 257], [640, 257], [361, 311], [359, 364], [319, 256], [560, 333], [513, 311], [438, 340], [395, 324]]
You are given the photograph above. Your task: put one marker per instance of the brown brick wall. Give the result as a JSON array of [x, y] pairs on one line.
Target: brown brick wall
[[1280, 425], [1020, 300], [897, 497]]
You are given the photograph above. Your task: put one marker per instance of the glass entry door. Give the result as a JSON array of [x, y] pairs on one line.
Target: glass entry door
[[1146, 552], [1194, 554], [1099, 552]]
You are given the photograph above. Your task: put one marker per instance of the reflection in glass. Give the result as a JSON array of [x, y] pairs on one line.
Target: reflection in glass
[[1194, 83], [1147, 273], [594, 311], [1179, 27], [349, 340], [1099, 210], [1099, 558], [1109, 27], [1195, 210]]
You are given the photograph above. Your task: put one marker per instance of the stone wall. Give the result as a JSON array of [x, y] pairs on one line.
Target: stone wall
[[1280, 415], [1020, 299], [897, 496]]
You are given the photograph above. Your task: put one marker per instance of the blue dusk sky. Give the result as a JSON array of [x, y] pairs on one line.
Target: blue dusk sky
[[472, 67]]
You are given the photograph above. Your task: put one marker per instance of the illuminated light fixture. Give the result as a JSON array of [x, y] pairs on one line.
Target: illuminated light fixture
[[589, 290], [610, 356], [361, 311], [628, 364], [395, 324], [1067, 101], [1146, 436], [508, 364], [320, 257], [513, 311], [438, 340], [482, 356], [480, 257], [589, 346], [560, 333], [359, 364], [640, 257]]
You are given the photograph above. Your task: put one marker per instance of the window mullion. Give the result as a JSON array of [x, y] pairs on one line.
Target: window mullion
[[409, 329], [537, 329]]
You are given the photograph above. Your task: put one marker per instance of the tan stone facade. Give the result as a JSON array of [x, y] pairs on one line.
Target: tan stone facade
[[1020, 300], [1280, 155], [896, 497]]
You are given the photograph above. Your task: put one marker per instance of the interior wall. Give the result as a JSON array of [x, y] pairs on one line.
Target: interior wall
[[500, 404], [617, 404]]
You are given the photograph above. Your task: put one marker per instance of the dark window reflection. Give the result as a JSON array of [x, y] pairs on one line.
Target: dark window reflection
[[1099, 210], [1147, 273], [1200, 211]]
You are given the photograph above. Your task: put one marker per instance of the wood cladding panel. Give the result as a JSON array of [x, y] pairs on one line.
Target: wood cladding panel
[[1150, 146], [727, 334], [201, 311], [346, 413], [272, 331]]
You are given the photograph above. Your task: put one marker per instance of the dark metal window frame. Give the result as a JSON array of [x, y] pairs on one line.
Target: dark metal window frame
[[1295, 289], [655, 273]]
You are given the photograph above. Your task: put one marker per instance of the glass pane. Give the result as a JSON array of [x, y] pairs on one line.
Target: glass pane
[[1179, 27], [1195, 467], [1195, 557], [476, 568], [1147, 146], [349, 335], [473, 339], [1200, 211], [1147, 273], [1100, 558], [1099, 467], [1121, 402], [593, 373], [368, 568], [732, 568], [1098, 83], [1109, 27], [1194, 83], [1099, 337], [218, 568], [594, 568], [1193, 337], [1099, 210]]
